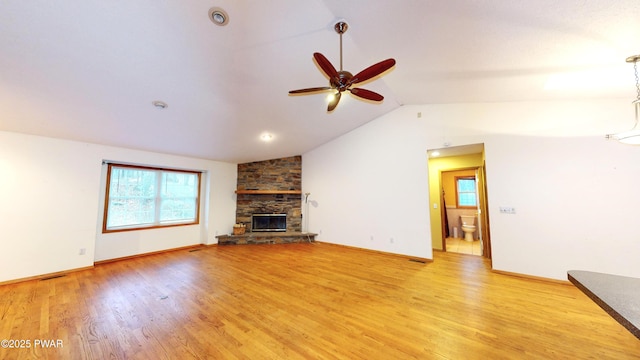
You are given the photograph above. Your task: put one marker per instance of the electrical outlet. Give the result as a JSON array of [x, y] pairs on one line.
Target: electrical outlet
[[82, 251], [391, 240]]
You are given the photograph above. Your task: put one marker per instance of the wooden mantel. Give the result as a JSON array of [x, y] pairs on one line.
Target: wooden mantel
[[268, 192]]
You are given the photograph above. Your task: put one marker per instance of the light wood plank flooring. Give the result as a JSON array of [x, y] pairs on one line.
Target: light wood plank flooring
[[305, 301]]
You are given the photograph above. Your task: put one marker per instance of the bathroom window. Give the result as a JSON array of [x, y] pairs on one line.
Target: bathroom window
[[466, 192], [140, 197]]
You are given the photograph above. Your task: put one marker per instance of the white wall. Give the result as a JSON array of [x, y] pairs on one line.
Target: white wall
[[51, 200], [573, 190], [369, 188], [575, 205]]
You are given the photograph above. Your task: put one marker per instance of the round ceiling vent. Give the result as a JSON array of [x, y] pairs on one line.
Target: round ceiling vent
[[160, 104], [218, 16]]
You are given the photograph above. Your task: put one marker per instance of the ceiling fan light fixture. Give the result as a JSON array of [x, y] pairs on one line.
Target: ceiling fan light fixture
[[218, 16], [631, 137], [342, 80]]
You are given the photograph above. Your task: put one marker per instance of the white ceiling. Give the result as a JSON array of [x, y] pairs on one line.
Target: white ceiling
[[89, 70]]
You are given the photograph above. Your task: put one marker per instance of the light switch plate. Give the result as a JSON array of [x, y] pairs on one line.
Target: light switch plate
[[507, 210]]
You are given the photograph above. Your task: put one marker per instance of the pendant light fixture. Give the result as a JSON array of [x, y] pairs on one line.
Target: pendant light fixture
[[632, 136]]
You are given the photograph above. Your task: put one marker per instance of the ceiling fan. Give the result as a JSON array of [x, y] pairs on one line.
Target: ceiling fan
[[342, 80]]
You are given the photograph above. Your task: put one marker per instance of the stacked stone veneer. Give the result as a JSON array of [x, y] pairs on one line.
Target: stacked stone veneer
[[277, 174]]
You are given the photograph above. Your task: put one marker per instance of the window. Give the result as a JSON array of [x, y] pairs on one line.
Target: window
[[144, 197], [466, 192]]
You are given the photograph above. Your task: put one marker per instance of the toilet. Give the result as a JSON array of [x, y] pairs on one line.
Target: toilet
[[468, 226]]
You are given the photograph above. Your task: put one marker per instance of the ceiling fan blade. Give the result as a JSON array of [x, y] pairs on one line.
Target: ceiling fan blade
[[372, 71], [310, 90], [366, 94], [334, 102], [325, 65]]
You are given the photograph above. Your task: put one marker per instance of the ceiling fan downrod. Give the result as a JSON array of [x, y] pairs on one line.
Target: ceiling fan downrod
[[341, 27]]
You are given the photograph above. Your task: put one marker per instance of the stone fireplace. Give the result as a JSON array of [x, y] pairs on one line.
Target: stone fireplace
[[270, 187]]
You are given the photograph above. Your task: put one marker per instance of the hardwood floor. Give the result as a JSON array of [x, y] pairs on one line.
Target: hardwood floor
[[302, 301]]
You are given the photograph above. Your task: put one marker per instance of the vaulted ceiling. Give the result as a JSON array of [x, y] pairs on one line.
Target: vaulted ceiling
[[89, 70]]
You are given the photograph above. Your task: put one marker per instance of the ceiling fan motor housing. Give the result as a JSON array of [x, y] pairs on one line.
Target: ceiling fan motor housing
[[341, 82]]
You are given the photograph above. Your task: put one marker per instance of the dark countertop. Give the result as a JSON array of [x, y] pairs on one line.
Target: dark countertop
[[618, 295]]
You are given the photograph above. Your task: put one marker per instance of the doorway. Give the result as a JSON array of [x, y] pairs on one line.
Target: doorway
[[457, 188]]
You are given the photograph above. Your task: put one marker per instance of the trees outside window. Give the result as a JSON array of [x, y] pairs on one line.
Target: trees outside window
[[144, 197], [466, 192]]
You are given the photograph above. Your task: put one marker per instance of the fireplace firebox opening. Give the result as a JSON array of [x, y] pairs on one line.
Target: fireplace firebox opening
[[269, 222]]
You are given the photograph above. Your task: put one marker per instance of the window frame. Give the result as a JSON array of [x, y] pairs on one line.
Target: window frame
[[156, 224], [475, 192]]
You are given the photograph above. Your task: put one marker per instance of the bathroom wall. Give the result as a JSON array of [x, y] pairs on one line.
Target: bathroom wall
[[449, 182], [454, 221]]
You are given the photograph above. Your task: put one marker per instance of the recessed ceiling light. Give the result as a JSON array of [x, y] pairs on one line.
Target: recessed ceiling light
[[160, 104], [266, 137], [218, 16]]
